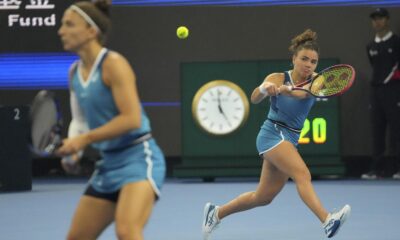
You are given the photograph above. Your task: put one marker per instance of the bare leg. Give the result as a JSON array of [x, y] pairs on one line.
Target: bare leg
[[286, 158], [271, 183], [91, 217], [134, 207]]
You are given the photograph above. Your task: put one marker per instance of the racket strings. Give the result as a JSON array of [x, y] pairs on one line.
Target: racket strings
[[332, 82], [46, 124]]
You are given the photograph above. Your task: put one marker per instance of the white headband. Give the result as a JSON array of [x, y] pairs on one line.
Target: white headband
[[86, 17]]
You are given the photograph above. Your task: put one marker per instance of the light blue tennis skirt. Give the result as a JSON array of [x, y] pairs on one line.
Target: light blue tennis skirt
[[271, 135], [144, 161]]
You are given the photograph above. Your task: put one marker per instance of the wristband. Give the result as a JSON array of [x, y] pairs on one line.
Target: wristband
[[262, 90]]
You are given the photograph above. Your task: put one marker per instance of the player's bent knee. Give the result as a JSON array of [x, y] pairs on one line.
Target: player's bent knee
[[302, 176], [129, 232], [263, 200]]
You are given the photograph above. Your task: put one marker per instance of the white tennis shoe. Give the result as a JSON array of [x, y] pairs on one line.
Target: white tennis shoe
[[210, 220], [335, 220]]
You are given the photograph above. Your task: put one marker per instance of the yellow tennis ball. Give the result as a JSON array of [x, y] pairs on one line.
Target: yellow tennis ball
[[182, 32]]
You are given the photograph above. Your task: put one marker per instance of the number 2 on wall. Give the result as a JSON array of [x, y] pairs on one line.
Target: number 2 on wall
[[17, 112], [318, 131]]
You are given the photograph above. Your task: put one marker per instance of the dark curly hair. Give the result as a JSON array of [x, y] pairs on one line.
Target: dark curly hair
[[305, 40]]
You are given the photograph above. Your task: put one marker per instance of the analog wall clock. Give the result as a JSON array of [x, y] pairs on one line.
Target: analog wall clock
[[220, 107]]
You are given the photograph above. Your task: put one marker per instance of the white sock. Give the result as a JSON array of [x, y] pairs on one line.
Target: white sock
[[216, 213], [326, 220]]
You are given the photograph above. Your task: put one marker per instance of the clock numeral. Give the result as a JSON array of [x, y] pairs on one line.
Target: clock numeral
[[211, 93], [236, 99], [229, 93], [204, 100], [238, 109], [202, 109], [203, 119], [211, 124], [235, 117], [220, 126]]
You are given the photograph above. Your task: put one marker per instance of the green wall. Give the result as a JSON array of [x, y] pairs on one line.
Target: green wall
[[205, 155]]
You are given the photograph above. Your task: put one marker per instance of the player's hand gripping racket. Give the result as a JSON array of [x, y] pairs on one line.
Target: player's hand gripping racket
[[332, 81], [46, 124]]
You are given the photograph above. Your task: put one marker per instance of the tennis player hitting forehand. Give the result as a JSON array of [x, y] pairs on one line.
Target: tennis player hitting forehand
[[277, 141]]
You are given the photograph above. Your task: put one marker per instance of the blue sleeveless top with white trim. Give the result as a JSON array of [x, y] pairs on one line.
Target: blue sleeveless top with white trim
[[290, 110], [97, 103]]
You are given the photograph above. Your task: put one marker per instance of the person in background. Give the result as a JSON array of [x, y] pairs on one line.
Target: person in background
[[384, 55]]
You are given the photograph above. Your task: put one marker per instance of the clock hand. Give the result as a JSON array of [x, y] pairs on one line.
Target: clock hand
[[219, 102], [224, 115], [220, 108], [226, 118]]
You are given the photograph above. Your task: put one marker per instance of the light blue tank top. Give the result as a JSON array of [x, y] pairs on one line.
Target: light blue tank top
[[289, 110], [97, 103]]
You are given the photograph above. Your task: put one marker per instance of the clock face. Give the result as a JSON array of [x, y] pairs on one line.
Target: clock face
[[220, 107]]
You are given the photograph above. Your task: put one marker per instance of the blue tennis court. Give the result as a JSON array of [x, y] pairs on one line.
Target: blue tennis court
[[45, 212]]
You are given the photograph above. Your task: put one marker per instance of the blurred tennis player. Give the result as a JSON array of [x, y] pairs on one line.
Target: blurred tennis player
[[277, 141], [106, 113]]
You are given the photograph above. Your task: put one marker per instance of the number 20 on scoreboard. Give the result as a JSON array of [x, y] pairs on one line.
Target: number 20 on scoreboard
[[313, 131]]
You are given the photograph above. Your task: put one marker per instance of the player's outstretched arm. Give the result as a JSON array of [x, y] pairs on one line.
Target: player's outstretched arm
[[269, 87]]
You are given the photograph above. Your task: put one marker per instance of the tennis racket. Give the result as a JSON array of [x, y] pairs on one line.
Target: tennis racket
[[46, 124], [332, 81]]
